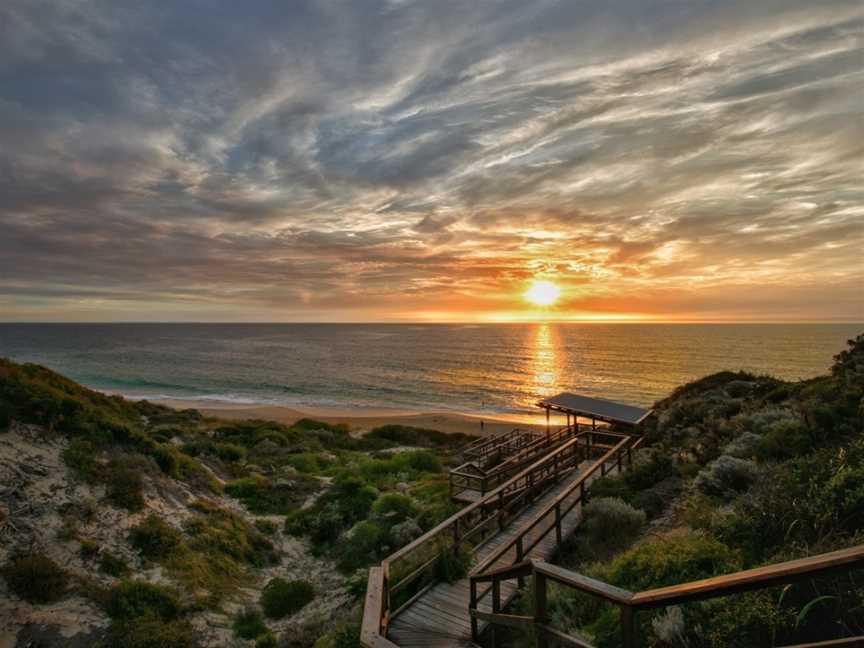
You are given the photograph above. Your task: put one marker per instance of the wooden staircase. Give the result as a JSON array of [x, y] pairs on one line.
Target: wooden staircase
[[511, 533]]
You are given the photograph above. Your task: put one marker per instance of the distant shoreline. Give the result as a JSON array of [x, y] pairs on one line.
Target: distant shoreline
[[360, 419]]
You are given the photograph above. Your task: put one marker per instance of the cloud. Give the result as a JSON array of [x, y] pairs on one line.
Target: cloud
[[347, 161]]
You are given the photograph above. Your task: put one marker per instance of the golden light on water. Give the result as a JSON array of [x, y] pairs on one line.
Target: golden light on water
[[542, 293]]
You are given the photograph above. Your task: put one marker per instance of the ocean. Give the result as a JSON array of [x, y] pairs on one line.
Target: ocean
[[486, 369]]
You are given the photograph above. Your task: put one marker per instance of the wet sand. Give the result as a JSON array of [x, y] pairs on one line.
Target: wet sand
[[360, 419]]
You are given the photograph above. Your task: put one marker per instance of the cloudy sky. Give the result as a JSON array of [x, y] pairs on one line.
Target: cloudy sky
[[399, 160]]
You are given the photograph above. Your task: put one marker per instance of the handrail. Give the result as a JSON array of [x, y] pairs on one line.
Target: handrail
[[554, 508], [843, 560], [503, 502], [497, 474]]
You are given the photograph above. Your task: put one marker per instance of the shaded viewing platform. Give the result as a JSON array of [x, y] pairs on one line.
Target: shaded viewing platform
[[489, 462], [510, 534]]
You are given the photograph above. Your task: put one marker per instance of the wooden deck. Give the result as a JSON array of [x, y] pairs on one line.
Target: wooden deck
[[440, 618]]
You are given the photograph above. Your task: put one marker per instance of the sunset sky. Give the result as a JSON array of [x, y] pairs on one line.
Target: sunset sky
[[404, 160]]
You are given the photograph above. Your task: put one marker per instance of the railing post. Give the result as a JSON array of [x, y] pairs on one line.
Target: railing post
[[619, 462], [496, 608], [540, 607], [501, 510], [520, 556], [558, 533], [456, 539], [630, 455], [473, 605], [628, 627]]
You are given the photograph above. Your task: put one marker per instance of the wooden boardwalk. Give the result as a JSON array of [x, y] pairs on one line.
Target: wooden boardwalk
[[439, 618]]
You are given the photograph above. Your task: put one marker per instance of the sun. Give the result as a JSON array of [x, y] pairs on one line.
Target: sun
[[542, 293]]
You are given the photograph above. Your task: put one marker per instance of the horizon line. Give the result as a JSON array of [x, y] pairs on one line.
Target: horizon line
[[441, 323]]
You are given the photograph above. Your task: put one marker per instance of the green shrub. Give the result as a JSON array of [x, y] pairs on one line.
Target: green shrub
[[649, 467], [262, 496], [670, 561], [112, 565], [267, 640], [364, 544], [124, 484], [393, 508], [785, 439], [249, 624], [134, 599], [610, 524], [348, 501], [726, 476], [219, 530], [407, 435], [151, 632], [229, 452], [35, 578], [281, 598], [154, 538], [88, 549], [745, 446], [81, 457], [452, 566], [266, 527]]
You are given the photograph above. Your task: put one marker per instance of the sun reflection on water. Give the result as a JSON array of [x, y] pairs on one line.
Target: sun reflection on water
[[545, 367]]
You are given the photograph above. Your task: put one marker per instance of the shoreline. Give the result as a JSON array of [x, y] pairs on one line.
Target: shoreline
[[360, 419]]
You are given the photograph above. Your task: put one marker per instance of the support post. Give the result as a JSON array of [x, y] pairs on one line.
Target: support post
[[540, 607], [496, 607], [628, 627], [558, 531], [456, 539], [473, 605], [520, 556]]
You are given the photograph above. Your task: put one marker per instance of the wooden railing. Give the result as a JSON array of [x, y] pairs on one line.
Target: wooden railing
[[507, 442], [469, 477], [550, 519], [413, 564], [540, 573]]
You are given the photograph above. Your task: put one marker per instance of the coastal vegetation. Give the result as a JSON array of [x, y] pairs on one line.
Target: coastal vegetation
[[212, 505], [742, 471]]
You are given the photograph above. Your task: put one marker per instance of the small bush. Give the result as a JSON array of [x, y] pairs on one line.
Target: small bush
[[745, 446], [151, 632], [281, 598], [154, 538], [35, 578], [262, 496], [346, 636], [133, 599], [88, 550], [393, 508], [452, 566], [112, 565], [610, 524], [124, 485], [669, 562], [726, 476], [266, 526], [81, 457], [267, 640], [249, 624], [363, 545]]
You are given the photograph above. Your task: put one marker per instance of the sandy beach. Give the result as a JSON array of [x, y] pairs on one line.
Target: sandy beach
[[361, 419]]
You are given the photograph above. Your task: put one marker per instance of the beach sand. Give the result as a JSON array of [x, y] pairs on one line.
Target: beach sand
[[360, 420]]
